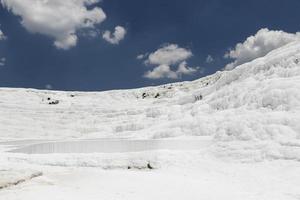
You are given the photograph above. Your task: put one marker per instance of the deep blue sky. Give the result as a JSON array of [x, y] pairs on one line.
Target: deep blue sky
[[204, 26]]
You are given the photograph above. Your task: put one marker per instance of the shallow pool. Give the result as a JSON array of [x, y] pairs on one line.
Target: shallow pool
[[110, 146]]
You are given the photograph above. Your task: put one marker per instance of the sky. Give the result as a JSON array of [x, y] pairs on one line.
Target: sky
[[91, 45]]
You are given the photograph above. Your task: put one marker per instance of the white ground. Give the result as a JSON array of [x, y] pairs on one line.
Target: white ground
[[213, 180], [250, 117]]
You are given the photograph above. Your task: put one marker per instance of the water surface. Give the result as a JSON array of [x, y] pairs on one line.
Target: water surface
[[111, 146]]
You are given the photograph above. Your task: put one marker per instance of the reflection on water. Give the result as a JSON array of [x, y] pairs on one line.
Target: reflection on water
[[111, 146]]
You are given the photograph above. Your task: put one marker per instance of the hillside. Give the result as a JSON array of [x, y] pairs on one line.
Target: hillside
[[253, 110], [232, 135]]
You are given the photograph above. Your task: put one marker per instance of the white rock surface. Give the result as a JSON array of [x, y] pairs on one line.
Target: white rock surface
[[13, 177]]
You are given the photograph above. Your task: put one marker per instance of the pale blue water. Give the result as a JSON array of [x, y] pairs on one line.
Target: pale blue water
[[111, 146]]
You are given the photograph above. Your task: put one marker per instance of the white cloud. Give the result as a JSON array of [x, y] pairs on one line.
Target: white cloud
[[116, 37], [59, 19], [165, 71], [184, 69], [2, 36], [209, 59], [2, 62], [161, 71], [263, 42], [168, 62], [169, 55], [141, 56]]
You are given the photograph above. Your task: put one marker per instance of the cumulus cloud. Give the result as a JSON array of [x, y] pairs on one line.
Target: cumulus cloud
[[169, 54], [141, 56], [2, 36], [263, 42], [115, 37], [59, 19], [184, 69], [161, 71], [209, 59], [169, 61], [2, 62]]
